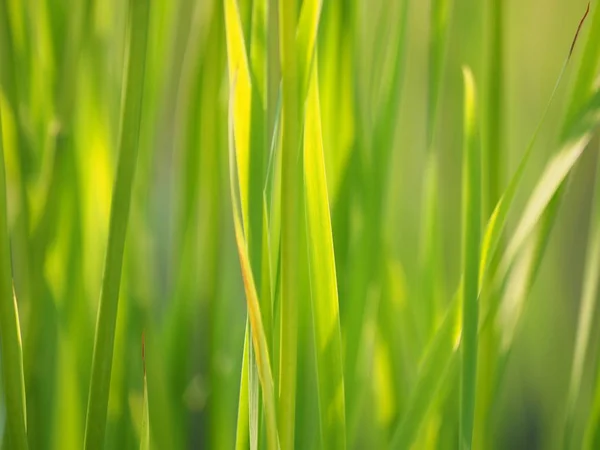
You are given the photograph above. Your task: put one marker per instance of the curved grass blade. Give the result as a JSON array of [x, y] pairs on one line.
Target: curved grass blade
[[497, 220], [323, 284], [259, 340], [10, 333], [470, 256], [121, 199]]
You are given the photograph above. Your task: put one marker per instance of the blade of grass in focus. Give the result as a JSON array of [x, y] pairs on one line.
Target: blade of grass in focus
[[258, 337], [290, 221], [12, 353], [493, 163], [128, 150], [471, 233], [323, 283]]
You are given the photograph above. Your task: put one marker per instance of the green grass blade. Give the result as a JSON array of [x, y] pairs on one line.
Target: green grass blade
[[323, 283], [121, 199], [257, 332], [10, 333], [555, 173], [536, 211], [494, 104], [470, 257], [240, 72], [258, 48], [290, 220], [306, 38]]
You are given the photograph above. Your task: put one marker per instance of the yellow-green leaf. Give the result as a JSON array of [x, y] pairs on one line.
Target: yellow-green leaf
[[323, 284]]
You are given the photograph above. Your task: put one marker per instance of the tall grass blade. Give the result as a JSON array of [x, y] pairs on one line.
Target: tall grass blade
[[306, 38], [471, 231], [121, 199], [240, 72], [323, 283], [259, 340], [10, 332], [290, 220]]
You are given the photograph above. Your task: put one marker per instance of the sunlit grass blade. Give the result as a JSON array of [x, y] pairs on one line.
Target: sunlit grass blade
[[121, 199], [493, 135], [548, 187], [290, 221], [306, 38], [323, 283], [471, 227], [10, 332], [257, 333], [240, 72], [494, 162]]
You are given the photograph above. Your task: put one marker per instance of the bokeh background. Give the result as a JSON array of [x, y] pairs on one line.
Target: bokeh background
[[181, 281]]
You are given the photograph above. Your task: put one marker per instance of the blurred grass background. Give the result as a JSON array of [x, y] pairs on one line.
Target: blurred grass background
[[62, 83]]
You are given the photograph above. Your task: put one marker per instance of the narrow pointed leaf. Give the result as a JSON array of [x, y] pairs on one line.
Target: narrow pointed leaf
[[10, 332], [257, 332], [323, 283], [470, 257]]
